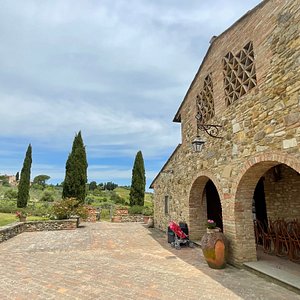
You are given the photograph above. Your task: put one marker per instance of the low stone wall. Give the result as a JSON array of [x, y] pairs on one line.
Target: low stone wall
[[9, 231], [51, 225], [128, 218]]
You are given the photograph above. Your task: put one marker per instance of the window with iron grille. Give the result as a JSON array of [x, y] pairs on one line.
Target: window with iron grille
[[205, 100], [239, 73]]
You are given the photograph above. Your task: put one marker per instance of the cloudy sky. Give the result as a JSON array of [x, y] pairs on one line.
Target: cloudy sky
[[115, 69]]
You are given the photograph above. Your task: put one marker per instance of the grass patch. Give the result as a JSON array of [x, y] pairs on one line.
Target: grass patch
[[6, 218]]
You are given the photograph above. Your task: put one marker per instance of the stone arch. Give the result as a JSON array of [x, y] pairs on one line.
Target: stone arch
[[243, 244], [197, 203]]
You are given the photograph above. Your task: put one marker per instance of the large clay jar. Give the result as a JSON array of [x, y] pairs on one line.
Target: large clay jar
[[213, 245]]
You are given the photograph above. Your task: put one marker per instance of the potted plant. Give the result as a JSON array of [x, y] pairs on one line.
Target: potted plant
[[213, 244], [147, 214], [212, 226], [22, 215]]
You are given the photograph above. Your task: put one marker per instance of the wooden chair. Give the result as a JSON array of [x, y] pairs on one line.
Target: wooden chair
[[293, 230], [282, 244], [267, 238]]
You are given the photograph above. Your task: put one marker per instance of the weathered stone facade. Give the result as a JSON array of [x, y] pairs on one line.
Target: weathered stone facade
[[260, 131]]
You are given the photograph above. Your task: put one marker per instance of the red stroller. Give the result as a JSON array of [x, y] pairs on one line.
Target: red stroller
[[179, 236]]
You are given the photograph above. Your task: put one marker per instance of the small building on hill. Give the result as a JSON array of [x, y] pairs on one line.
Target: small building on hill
[[248, 86]]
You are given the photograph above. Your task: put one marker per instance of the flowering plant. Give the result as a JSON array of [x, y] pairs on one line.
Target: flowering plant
[[211, 224], [67, 207], [21, 214]]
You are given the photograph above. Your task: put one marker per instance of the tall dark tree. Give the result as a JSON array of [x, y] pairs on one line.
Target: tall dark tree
[[138, 181], [24, 184], [76, 171], [17, 176], [92, 185]]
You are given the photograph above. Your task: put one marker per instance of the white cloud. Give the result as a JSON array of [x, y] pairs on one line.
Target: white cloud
[[117, 70]]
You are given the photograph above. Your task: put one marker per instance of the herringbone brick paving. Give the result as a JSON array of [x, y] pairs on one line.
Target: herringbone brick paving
[[118, 261]]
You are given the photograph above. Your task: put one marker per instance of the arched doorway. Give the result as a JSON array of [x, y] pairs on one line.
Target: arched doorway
[[267, 190], [204, 204], [213, 204]]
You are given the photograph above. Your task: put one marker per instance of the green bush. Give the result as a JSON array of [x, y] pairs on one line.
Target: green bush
[[34, 209], [89, 199], [11, 194], [67, 207], [117, 199], [135, 210], [105, 214], [47, 196], [147, 211]]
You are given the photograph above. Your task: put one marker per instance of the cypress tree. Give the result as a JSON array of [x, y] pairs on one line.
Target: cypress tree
[[24, 184], [76, 171], [138, 181]]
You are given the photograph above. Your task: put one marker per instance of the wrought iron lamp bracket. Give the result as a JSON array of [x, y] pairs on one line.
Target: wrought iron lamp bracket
[[212, 130]]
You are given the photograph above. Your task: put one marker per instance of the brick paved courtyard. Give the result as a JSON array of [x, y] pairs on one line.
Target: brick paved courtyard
[[118, 261]]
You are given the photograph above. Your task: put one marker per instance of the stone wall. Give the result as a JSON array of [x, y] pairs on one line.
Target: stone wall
[[92, 215], [282, 194], [50, 225], [260, 130], [9, 231], [127, 218]]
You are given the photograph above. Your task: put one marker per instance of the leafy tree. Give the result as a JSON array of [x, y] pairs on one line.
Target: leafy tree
[[41, 180], [24, 184], [138, 181], [17, 176], [4, 180], [110, 186], [76, 171], [92, 185]]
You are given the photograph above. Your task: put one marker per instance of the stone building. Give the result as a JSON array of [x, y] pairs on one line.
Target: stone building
[[248, 83]]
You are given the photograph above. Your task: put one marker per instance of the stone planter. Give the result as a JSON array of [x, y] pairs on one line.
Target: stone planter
[[150, 222], [121, 212], [116, 219], [213, 245], [146, 219]]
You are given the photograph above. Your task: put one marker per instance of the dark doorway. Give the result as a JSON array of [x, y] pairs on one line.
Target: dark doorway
[[214, 208], [260, 203]]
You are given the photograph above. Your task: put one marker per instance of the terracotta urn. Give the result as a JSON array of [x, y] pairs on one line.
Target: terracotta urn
[[213, 244]]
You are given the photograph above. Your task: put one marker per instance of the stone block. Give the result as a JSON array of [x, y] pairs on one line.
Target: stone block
[[289, 143]]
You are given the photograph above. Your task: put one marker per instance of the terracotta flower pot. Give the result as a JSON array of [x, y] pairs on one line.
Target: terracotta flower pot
[[213, 245], [22, 219]]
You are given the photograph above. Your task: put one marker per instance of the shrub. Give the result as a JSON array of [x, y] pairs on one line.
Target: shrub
[[89, 199], [37, 187], [47, 196], [135, 210], [148, 211], [11, 194], [67, 207], [117, 199]]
